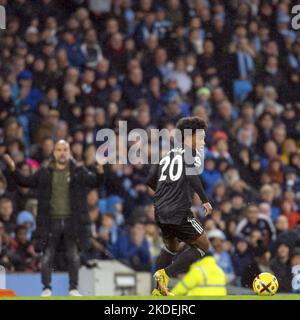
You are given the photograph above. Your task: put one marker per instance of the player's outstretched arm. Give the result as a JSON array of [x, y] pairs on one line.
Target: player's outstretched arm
[[197, 186]]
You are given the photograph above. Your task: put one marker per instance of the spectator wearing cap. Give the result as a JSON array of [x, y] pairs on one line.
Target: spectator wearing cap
[[32, 40], [26, 219], [21, 251], [222, 257], [220, 148], [29, 96], [202, 98], [283, 24]]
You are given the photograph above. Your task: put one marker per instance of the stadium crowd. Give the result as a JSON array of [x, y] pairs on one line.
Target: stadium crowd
[[70, 68]]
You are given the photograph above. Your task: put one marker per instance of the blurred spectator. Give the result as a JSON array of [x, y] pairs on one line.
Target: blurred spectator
[[154, 240], [281, 225], [241, 257], [288, 211], [132, 248], [260, 263], [26, 219], [280, 265], [105, 235], [21, 251], [295, 262], [5, 260], [255, 220], [6, 215]]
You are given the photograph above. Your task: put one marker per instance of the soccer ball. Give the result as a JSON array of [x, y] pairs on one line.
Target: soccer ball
[[265, 284]]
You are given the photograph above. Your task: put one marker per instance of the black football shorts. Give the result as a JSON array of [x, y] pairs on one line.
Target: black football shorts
[[190, 229]]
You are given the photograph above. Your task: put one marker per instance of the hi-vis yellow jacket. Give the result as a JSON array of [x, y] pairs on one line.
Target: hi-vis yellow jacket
[[204, 278]]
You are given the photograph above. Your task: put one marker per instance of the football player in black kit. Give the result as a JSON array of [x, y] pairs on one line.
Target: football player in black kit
[[174, 180]]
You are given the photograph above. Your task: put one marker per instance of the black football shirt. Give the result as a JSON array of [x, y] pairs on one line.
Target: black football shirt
[[174, 180]]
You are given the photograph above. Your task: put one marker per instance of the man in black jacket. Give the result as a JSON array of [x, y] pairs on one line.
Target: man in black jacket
[[62, 209]]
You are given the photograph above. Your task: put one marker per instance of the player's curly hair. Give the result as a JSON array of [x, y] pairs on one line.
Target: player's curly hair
[[193, 123]]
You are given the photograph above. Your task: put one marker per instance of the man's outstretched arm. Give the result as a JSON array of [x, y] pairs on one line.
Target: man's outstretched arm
[[30, 181]]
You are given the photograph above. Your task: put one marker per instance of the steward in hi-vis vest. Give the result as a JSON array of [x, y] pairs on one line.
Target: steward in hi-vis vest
[[204, 278]]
